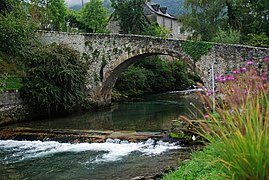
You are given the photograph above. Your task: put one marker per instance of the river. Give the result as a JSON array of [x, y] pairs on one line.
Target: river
[[113, 159]]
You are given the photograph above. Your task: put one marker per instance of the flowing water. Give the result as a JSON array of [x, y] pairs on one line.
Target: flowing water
[[114, 159]]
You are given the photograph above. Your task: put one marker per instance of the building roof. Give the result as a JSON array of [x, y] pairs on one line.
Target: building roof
[[162, 11]]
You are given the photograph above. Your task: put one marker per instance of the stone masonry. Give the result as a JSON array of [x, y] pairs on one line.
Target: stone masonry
[[110, 54]]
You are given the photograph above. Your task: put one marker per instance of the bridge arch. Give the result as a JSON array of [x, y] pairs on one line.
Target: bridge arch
[[109, 54], [111, 74]]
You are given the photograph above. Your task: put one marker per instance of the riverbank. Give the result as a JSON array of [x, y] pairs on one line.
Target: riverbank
[[203, 164]]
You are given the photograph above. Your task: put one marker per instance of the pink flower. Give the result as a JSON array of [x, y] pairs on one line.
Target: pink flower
[[209, 93], [266, 59], [230, 78], [206, 116], [235, 71], [219, 78], [249, 62], [264, 74], [243, 69], [264, 78]]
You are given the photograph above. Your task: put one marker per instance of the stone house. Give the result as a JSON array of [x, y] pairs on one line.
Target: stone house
[[154, 13]]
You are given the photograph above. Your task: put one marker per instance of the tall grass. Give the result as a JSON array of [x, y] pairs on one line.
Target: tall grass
[[239, 126]]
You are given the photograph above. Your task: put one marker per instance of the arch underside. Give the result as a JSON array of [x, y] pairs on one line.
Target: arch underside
[[111, 77]]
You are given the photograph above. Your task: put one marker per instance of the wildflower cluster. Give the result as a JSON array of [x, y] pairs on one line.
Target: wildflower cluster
[[242, 83], [238, 126]]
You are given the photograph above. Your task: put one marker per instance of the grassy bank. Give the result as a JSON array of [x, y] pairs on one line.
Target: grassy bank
[[203, 165]]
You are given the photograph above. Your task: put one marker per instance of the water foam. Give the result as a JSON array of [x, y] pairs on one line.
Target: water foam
[[113, 150]]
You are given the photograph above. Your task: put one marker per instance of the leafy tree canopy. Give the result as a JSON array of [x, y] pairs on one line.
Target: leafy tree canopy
[[49, 13], [204, 17], [94, 16], [130, 15], [16, 28], [208, 18]]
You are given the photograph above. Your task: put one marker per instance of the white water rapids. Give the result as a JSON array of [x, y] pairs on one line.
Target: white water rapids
[[112, 150]]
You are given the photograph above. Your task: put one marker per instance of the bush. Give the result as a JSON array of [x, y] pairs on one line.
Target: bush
[[258, 40], [55, 78]]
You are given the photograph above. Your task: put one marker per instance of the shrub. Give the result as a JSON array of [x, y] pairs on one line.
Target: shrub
[[55, 77], [258, 40]]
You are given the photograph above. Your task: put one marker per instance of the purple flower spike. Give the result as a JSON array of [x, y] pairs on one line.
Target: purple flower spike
[[209, 93], [230, 78], [264, 74], [264, 78], [219, 78], [266, 59], [249, 62], [235, 72], [243, 69]]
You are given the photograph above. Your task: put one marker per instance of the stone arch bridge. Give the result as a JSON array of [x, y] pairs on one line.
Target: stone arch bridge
[[110, 54]]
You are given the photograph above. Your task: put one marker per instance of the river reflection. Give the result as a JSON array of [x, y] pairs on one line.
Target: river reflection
[[153, 114]]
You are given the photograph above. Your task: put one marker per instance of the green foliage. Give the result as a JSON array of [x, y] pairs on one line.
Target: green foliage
[[133, 81], [55, 77], [204, 17], [74, 23], [130, 15], [153, 75], [258, 40], [49, 14], [201, 166], [196, 48], [16, 31], [9, 83], [94, 16], [207, 17], [249, 16], [56, 10], [227, 37], [156, 30]]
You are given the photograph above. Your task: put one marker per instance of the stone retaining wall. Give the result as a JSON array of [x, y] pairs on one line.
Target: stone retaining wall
[[12, 108], [10, 98]]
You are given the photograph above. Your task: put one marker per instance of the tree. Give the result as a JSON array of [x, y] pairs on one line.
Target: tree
[[94, 16], [130, 15], [249, 16], [207, 17], [55, 78], [57, 10], [49, 13], [16, 29], [204, 17]]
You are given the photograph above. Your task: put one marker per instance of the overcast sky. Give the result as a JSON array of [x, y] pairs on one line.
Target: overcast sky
[[73, 2]]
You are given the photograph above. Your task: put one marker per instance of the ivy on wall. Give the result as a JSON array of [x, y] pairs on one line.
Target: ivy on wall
[[196, 48]]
